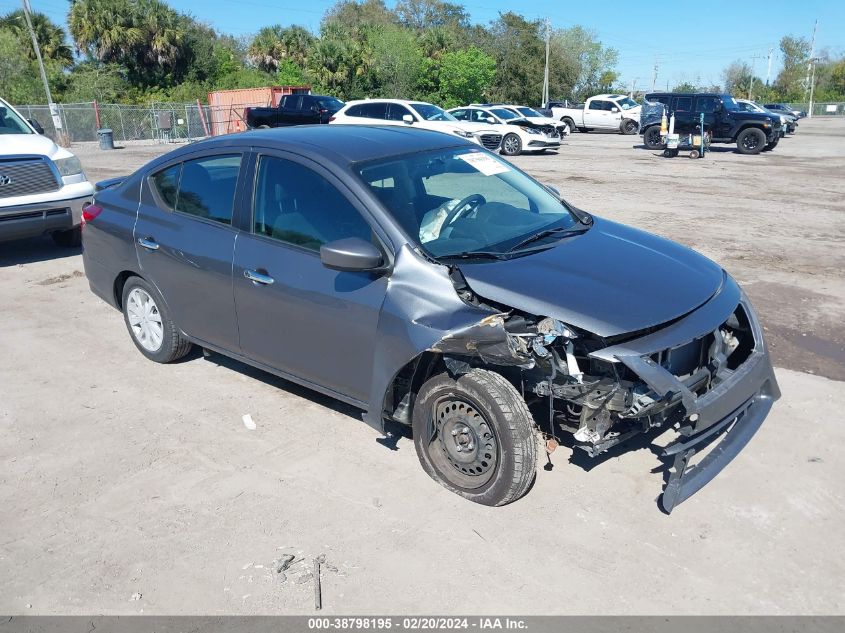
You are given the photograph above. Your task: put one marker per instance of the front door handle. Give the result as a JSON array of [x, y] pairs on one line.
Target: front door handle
[[259, 278], [149, 243]]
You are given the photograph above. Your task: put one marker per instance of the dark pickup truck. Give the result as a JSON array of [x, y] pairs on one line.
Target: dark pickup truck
[[294, 110], [753, 132]]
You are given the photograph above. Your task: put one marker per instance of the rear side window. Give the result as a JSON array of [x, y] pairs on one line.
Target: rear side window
[[369, 110], [166, 184], [683, 104]]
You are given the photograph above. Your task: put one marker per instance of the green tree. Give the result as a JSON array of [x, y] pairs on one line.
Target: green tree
[[397, 61], [685, 86], [274, 44], [90, 81], [19, 81], [737, 78], [51, 37], [465, 77], [422, 15], [790, 82], [580, 66], [515, 44]]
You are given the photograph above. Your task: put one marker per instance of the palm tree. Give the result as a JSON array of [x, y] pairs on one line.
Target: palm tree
[[276, 43], [105, 29], [51, 37]]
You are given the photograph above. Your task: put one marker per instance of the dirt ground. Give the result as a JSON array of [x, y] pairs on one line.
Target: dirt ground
[[128, 487]]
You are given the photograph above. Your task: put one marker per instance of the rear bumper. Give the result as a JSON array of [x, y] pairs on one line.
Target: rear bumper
[[30, 220]]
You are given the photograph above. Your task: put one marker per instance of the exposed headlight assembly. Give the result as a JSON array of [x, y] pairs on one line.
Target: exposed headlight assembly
[[530, 130], [464, 133], [69, 166]]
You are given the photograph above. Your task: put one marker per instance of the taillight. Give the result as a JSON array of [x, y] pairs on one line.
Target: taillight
[[90, 212], [323, 111], [332, 118]]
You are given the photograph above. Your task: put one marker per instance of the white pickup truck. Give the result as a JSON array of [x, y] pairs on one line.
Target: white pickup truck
[[42, 186], [601, 112]]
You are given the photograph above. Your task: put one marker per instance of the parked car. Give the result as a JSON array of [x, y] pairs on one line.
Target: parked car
[[418, 114], [601, 112], [532, 115], [787, 120], [518, 133], [782, 108], [294, 110], [429, 282], [753, 132], [42, 185]]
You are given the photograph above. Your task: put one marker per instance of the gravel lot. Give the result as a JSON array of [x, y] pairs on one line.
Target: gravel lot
[[129, 487]]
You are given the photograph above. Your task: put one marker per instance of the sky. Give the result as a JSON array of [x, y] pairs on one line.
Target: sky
[[688, 41]]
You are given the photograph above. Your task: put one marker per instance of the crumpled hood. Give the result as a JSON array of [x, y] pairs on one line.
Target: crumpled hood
[[611, 280], [30, 144]]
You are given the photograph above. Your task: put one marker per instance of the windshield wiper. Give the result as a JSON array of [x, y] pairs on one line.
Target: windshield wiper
[[475, 255], [546, 233]]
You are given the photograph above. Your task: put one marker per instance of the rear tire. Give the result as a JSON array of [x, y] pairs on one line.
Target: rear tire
[[651, 138], [511, 145], [475, 436], [148, 320], [771, 145], [68, 239], [750, 141]]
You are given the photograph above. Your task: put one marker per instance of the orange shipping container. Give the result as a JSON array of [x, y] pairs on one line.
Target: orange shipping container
[[227, 106]]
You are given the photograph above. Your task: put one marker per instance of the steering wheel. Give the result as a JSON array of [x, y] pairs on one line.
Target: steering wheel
[[464, 206]]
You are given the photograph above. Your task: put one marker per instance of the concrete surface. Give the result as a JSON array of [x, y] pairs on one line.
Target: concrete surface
[[129, 487]]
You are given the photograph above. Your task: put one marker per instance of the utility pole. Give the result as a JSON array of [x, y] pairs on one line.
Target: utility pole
[[546, 74], [810, 60], [654, 76], [754, 58], [633, 85], [813, 61], [54, 110], [769, 71]]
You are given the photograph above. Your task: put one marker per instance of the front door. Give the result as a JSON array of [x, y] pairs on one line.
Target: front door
[[294, 314], [184, 240], [598, 114]]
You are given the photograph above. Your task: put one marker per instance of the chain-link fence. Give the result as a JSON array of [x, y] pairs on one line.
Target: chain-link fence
[[159, 122], [832, 108]]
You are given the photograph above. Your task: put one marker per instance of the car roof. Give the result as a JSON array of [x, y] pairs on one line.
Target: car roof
[[379, 100], [337, 143]]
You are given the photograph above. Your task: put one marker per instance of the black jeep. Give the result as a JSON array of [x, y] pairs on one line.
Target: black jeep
[[753, 132]]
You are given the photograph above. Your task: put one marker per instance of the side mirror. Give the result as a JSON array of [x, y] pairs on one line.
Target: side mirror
[[407, 118], [490, 119], [35, 125], [614, 109], [350, 254]]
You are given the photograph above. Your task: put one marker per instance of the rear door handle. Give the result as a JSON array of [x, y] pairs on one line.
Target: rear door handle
[[259, 278], [149, 243]]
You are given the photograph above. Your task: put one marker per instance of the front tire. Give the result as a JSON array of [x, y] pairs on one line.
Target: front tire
[[629, 126], [750, 141], [68, 239], [475, 436], [148, 320], [652, 139], [569, 122], [511, 145]]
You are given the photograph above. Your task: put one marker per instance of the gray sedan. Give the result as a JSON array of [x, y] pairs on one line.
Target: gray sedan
[[433, 284]]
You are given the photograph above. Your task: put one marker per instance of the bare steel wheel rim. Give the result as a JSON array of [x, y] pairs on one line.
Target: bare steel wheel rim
[[144, 319], [464, 447], [630, 126], [511, 144]]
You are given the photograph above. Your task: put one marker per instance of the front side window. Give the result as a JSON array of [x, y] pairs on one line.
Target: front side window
[[296, 205], [461, 115], [207, 187], [456, 201], [706, 105], [529, 112], [430, 112], [505, 115], [396, 112], [626, 103]]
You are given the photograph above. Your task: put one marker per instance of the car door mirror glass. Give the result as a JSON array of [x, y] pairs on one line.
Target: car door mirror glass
[[351, 254], [407, 118]]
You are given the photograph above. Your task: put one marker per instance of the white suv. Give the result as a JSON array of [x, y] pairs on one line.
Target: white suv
[[518, 133], [42, 186], [418, 114]]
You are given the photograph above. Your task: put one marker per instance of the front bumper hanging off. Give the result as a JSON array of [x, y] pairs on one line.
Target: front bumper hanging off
[[733, 409]]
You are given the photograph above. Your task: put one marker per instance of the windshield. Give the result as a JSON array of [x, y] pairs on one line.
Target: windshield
[[459, 201], [11, 123], [626, 103], [505, 115], [431, 112], [529, 112]]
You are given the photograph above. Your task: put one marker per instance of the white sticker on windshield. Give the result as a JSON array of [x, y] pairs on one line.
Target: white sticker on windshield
[[487, 165]]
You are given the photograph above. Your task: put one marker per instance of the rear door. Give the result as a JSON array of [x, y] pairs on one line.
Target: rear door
[[294, 314], [184, 240]]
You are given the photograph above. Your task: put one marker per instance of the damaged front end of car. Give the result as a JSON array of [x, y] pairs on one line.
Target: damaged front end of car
[[706, 374]]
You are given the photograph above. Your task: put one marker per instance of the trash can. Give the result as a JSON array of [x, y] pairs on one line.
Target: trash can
[[106, 139]]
